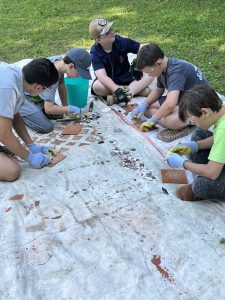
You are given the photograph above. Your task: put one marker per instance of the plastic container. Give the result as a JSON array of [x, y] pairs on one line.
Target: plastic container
[[77, 91]]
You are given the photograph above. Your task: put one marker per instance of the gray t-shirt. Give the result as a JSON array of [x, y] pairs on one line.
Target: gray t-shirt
[[36, 103], [180, 76], [11, 90]]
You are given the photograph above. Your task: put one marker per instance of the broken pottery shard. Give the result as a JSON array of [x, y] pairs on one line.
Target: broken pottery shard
[[138, 123], [57, 159], [17, 197], [174, 176], [72, 129]]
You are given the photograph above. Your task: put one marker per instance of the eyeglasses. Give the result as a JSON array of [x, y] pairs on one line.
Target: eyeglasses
[[46, 88]]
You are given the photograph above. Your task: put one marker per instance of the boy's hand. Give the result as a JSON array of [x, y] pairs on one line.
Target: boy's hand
[[137, 74], [175, 160], [38, 160], [34, 148], [123, 95], [74, 110], [186, 148], [149, 124], [139, 111]]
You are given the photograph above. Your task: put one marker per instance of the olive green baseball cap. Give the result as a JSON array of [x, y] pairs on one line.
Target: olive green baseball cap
[[99, 27]]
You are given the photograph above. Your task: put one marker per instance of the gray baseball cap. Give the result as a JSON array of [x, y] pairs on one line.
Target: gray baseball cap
[[82, 60]]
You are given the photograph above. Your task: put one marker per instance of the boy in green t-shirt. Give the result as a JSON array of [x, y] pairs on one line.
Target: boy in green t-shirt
[[206, 149]]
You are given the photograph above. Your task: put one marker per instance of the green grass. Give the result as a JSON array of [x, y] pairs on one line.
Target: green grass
[[193, 30]]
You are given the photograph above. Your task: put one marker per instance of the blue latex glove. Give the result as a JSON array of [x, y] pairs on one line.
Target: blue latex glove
[[176, 161], [149, 124], [139, 111], [74, 109], [34, 148], [38, 160], [186, 148]]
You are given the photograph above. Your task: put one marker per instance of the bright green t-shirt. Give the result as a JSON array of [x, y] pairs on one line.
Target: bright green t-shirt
[[217, 152]]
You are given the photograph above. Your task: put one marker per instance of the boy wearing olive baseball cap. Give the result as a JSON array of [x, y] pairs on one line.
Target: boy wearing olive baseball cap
[[37, 112], [109, 56]]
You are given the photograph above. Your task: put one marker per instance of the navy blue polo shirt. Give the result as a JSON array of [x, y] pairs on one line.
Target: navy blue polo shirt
[[116, 62]]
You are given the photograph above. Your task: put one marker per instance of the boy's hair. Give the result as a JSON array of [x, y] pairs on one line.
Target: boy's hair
[[41, 71], [148, 55], [198, 97], [68, 61]]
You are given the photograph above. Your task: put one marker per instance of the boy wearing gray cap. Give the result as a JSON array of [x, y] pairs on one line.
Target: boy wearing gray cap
[[110, 62], [38, 111]]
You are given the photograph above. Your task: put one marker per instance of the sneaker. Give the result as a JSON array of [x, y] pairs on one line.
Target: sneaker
[[169, 135], [111, 99], [185, 193]]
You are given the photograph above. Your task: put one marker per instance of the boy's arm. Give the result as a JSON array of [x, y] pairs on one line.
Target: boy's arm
[[53, 109], [206, 143], [9, 139], [20, 128], [62, 94], [168, 106], [154, 96], [105, 80], [210, 170]]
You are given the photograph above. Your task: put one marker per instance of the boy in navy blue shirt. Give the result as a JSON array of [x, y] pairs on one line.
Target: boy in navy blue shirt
[[111, 65]]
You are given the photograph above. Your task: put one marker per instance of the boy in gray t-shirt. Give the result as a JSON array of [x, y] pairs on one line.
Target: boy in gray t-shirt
[[38, 111], [34, 78], [173, 75]]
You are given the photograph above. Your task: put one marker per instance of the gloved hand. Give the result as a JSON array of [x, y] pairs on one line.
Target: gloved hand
[[74, 110], [175, 160], [137, 74], [139, 111], [34, 148], [185, 148], [149, 124], [38, 160], [123, 95]]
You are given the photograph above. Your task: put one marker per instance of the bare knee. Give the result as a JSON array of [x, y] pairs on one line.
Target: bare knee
[[13, 173], [100, 89], [10, 170]]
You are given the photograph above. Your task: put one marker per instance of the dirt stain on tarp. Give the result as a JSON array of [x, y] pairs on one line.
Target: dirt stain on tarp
[[57, 217], [8, 209], [17, 197], [156, 260]]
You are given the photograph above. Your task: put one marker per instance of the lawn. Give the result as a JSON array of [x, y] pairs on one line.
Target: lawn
[[193, 30]]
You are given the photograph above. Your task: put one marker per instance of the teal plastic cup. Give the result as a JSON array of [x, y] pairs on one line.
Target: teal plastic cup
[[77, 91]]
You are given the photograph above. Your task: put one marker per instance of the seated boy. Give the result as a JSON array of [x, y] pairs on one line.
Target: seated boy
[[206, 149], [38, 111], [34, 78], [172, 74], [110, 62]]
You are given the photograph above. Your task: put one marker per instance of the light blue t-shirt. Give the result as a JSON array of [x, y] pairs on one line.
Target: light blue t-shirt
[[11, 90]]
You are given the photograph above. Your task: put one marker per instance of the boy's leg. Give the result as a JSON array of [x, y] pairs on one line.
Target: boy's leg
[[9, 169], [39, 122], [35, 118], [99, 89], [140, 87], [200, 157], [172, 121], [205, 188]]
